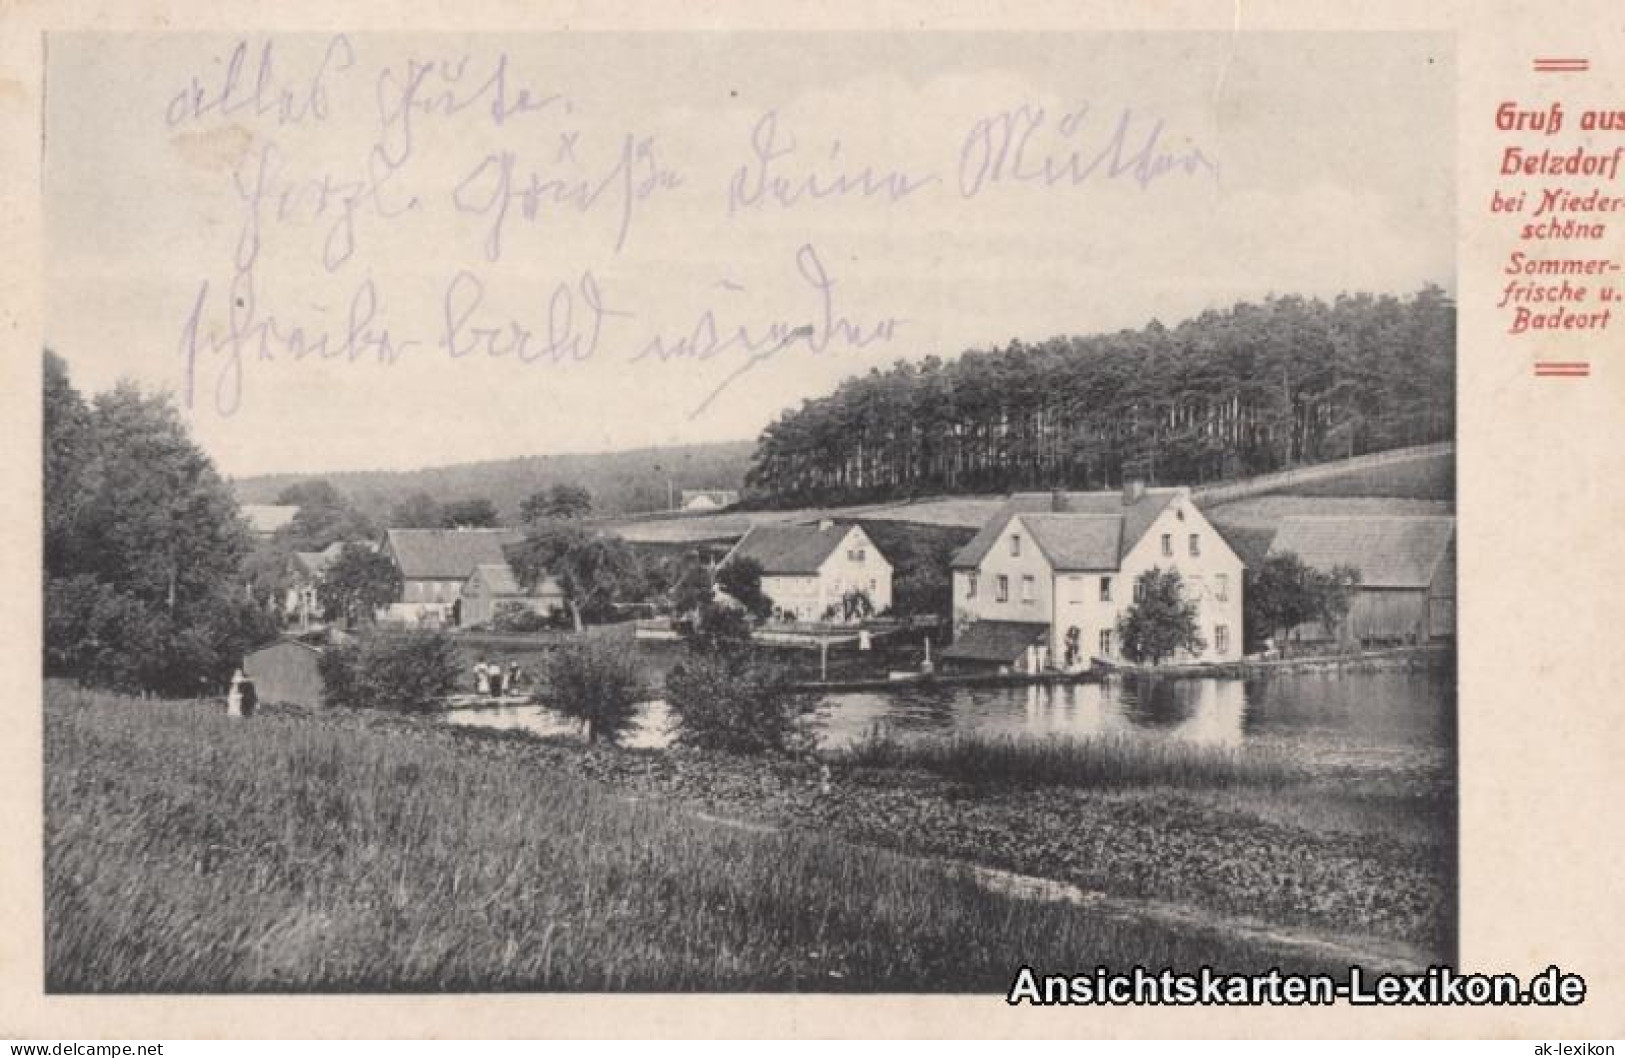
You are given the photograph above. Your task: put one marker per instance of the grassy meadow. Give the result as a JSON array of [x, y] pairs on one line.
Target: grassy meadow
[[190, 852]]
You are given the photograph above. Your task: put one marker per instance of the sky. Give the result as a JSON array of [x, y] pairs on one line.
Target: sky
[[377, 252]]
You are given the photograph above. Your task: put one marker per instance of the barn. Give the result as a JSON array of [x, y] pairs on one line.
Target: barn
[[1407, 567], [286, 671], [493, 584]]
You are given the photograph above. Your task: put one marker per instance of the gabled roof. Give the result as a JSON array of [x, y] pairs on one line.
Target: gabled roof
[[1077, 541], [996, 641], [1390, 551], [1132, 519], [268, 517], [448, 554], [791, 549]]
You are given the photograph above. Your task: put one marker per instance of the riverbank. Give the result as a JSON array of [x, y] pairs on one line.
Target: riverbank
[[191, 852]]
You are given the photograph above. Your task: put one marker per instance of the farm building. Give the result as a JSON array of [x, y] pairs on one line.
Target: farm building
[[286, 671], [709, 499], [435, 564], [1407, 567], [807, 570], [1044, 582], [493, 585]]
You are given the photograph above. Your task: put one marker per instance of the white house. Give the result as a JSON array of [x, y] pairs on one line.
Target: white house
[[807, 569], [1043, 583]]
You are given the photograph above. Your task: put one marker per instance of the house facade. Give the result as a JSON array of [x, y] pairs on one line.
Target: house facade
[[435, 565], [809, 569], [493, 585], [1043, 584], [1407, 565]]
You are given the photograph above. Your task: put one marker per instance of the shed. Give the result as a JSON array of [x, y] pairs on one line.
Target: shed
[[1407, 567], [286, 671]]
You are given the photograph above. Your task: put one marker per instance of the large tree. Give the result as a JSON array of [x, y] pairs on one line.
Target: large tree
[[326, 516], [417, 511], [358, 583], [144, 546], [594, 569], [1162, 621], [469, 514], [560, 501]]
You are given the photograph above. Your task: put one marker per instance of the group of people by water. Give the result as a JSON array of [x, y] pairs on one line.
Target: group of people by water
[[493, 681]]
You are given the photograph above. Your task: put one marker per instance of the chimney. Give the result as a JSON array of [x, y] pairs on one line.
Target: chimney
[[826, 524], [1133, 492]]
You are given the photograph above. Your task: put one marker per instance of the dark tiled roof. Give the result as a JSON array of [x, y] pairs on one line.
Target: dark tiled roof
[[448, 554], [1133, 518], [792, 549], [996, 641], [1390, 551]]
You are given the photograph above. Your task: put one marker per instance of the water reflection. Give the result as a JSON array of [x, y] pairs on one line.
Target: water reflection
[[1352, 712]]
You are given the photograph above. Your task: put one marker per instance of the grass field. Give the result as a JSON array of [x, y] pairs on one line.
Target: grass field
[[186, 851]]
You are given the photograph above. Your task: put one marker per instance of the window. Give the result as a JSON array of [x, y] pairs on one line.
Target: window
[[1196, 544], [1168, 544], [1015, 544], [1004, 588], [1221, 638], [1221, 586], [1028, 589], [1105, 589], [1139, 591], [1105, 642], [1075, 590], [858, 554], [970, 585]]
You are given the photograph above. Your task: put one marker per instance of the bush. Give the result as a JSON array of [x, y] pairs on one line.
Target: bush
[[597, 684], [518, 619], [406, 670], [738, 705]]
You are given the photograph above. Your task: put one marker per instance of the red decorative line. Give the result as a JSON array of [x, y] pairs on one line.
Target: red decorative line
[[1565, 369], [1562, 65]]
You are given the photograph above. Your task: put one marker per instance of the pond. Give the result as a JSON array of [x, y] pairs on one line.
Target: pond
[[1362, 714]]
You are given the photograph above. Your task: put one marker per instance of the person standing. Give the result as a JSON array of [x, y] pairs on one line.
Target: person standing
[[482, 679]]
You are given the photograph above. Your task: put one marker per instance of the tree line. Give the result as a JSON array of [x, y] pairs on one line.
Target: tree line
[[1248, 390]]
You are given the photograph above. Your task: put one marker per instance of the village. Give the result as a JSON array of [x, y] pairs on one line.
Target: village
[[1039, 591]]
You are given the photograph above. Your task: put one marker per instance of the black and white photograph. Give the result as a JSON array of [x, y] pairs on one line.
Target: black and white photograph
[[746, 512]]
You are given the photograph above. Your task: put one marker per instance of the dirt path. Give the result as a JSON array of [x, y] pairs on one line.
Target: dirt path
[[1369, 953]]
